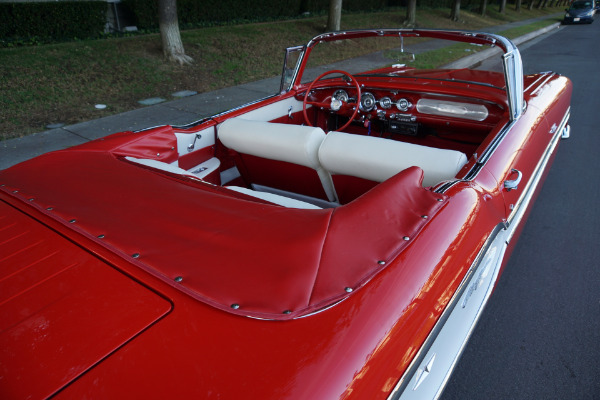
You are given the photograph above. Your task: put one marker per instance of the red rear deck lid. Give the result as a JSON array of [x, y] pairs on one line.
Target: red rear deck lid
[[62, 310]]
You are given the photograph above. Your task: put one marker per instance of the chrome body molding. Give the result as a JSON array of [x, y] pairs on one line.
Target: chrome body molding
[[425, 379], [203, 120], [523, 203]]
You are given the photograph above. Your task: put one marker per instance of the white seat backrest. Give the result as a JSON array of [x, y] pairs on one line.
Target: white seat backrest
[[294, 144], [378, 159], [291, 143]]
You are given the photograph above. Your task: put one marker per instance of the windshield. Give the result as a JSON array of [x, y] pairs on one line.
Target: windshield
[[422, 55], [580, 5], [387, 56]]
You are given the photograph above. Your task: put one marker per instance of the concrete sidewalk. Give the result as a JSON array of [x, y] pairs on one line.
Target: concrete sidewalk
[[177, 112]]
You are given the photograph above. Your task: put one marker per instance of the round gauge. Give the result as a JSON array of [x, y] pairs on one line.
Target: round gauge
[[341, 95], [385, 103], [367, 101], [403, 105]]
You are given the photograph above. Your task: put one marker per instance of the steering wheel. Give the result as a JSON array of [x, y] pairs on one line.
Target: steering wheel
[[344, 106]]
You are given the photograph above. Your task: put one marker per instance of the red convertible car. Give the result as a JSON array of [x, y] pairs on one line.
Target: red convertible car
[[337, 240]]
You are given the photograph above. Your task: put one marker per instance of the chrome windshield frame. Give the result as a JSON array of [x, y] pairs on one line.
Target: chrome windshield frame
[[511, 58]]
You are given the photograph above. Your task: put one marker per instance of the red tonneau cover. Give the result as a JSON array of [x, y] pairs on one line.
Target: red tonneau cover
[[222, 248]]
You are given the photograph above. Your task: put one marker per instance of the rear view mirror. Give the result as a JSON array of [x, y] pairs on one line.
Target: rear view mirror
[[399, 56]]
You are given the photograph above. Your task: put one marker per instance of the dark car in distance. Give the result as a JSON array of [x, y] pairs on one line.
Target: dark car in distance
[[581, 11]]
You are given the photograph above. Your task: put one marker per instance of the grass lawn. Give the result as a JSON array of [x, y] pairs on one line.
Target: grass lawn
[[61, 83]]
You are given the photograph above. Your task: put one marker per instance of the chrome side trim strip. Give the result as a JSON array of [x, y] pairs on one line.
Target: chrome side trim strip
[[523, 203], [433, 387], [444, 341], [543, 75], [200, 121]]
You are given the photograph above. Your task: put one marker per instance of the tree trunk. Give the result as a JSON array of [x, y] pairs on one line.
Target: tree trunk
[[530, 6], [483, 7], [335, 15], [518, 6], [411, 13], [455, 14], [502, 6], [169, 32]]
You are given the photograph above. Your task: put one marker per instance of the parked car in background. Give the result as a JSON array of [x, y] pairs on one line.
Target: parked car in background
[[336, 240], [581, 11]]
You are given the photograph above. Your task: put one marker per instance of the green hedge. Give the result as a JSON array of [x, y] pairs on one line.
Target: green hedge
[[51, 21], [30, 23], [199, 13], [320, 6]]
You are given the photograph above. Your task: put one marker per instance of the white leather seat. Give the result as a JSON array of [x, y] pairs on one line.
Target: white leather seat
[[160, 165], [293, 144], [274, 198], [378, 159], [199, 171]]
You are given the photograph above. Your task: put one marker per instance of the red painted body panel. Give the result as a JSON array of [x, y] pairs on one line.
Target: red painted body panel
[[91, 304], [282, 359], [62, 310], [358, 330]]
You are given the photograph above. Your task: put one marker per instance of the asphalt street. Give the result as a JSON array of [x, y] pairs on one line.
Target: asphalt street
[[539, 336]]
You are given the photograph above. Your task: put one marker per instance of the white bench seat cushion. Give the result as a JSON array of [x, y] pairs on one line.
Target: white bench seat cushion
[[160, 165], [378, 159], [274, 198], [199, 171]]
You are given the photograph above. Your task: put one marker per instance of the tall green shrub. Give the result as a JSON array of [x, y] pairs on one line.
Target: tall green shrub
[[200, 13], [52, 21]]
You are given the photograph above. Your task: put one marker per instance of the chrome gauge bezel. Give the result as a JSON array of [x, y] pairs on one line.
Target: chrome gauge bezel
[[341, 95], [385, 103], [367, 101], [403, 104]]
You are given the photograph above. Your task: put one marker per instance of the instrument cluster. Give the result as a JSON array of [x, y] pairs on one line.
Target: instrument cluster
[[368, 101], [392, 105], [408, 112]]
